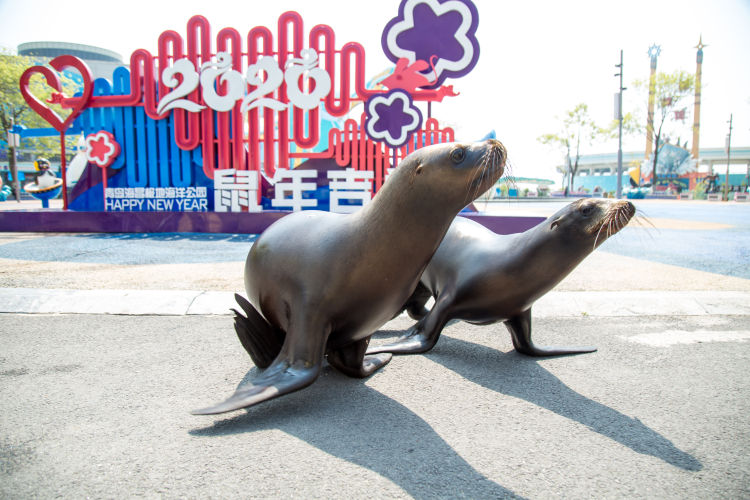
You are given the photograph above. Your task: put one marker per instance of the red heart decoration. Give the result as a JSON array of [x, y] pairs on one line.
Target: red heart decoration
[[59, 63]]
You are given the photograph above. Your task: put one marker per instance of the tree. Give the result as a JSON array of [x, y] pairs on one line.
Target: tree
[[630, 126], [670, 90], [15, 111], [577, 129]]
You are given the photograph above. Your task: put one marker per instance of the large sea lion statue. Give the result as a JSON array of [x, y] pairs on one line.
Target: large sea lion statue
[[483, 278], [320, 284]]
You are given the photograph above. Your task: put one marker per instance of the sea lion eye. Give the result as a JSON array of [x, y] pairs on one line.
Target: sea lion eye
[[458, 155], [587, 210]]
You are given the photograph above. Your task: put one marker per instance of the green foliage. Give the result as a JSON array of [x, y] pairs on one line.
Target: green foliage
[[577, 129], [699, 193], [670, 92], [630, 126], [13, 107]]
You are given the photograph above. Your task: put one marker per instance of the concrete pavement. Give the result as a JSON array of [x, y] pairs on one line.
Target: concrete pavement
[[192, 302], [97, 406]]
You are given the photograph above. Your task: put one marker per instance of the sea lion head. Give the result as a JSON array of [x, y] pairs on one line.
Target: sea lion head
[[589, 222], [454, 173]]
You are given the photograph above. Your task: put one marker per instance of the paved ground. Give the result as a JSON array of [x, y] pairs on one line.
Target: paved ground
[[107, 341], [97, 406]]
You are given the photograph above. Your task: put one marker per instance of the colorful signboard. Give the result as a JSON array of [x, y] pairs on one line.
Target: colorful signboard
[[261, 121]]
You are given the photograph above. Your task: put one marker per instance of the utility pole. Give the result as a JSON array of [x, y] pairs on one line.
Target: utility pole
[[729, 154], [618, 117], [653, 54]]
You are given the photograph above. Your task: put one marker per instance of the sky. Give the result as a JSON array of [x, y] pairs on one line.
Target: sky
[[538, 58]]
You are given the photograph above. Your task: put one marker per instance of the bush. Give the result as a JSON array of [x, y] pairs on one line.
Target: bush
[[699, 193]]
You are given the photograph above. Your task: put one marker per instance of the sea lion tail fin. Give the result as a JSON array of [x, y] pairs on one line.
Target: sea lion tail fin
[[261, 341]]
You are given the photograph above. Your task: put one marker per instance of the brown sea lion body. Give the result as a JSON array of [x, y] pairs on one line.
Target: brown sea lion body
[[319, 284], [483, 278]]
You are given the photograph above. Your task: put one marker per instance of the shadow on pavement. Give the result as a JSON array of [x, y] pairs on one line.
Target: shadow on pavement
[[520, 376], [344, 418]]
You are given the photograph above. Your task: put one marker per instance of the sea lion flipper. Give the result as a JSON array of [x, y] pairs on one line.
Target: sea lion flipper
[[520, 331], [351, 360], [414, 342], [297, 366], [240, 399], [279, 379], [261, 340], [423, 335], [415, 305]]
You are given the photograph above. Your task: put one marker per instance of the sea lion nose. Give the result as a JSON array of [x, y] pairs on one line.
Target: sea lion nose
[[495, 144], [498, 148]]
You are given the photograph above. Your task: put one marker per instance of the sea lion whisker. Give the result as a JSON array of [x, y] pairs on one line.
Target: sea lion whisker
[[471, 188], [624, 218], [471, 185], [489, 168], [482, 178], [645, 219], [648, 230], [616, 221], [597, 235]]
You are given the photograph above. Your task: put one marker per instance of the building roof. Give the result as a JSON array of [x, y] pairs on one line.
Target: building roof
[[602, 161], [54, 49]]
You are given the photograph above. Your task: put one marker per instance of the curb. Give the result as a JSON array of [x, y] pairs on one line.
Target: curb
[[191, 302]]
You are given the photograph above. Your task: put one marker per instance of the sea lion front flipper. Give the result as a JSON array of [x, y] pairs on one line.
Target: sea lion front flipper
[[279, 379], [297, 366], [424, 334], [351, 359], [520, 331]]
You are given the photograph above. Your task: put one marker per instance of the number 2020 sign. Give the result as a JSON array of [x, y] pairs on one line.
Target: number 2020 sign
[[236, 83]]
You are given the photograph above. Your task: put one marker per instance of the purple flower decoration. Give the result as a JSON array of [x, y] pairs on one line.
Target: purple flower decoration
[[392, 118], [445, 29]]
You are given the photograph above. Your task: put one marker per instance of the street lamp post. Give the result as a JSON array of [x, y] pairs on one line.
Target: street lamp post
[[729, 154], [618, 117]]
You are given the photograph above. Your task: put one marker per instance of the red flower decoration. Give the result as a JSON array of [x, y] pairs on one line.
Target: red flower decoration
[[102, 148]]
